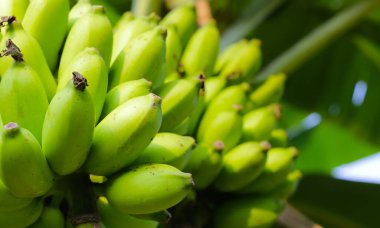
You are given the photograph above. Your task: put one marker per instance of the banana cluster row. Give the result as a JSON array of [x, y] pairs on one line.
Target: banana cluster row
[[117, 124]]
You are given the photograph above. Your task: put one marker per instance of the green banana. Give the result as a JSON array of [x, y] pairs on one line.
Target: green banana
[[114, 218], [81, 8], [129, 29], [184, 19], [89, 63], [179, 98], [94, 30], [123, 134], [15, 8], [182, 128], [247, 213], [69, 126], [23, 217], [280, 162], [143, 57], [173, 50], [22, 97], [163, 217], [49, 33], [259, 123], [241, 165], [124, 92], [286, 189], [24, 168], [229, 54], [32, 54], [278, 138], [148, 188], [9, 202], [168, 148], [197, 156], [201, 52], [50, 217]]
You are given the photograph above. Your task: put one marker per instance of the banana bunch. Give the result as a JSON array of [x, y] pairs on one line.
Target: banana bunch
[[132, 125]]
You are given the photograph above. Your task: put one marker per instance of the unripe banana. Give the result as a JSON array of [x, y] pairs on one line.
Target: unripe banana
[[123, 134], [114, 218], [184, 19], [198, 155], [245, 64], [280, 162], [24, 168], [9, 202], [179, 98], [201, 52], [259, 123], [94, 30], [23, 98], [241, 165], [269, 92], [247, 213], [22, 217], [81, 8], [182, 128], [68, 127], [15, 8], [168, 148], [127, 31], [173, 50], [229, 54], [148, 188], [32, 54], [124, 92], [124, 20], [143, 57], [50, 217], [89, 63], [286, 189], [49, 33], [278, 138]]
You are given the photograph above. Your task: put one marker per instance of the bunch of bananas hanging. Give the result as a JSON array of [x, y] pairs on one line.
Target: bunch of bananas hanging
[[133, 124]]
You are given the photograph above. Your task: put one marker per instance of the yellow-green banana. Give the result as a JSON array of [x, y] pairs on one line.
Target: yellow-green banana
[[148, 188], [241, 165], [9, 202], [173, 49], [23, 98], [50, 217], [179, 98], [114, 218], [89, 63], [32, 54], [201, 52], [123, 134], [49, 33], [69, 126], [124, 92], [183, 127], [22, 217], [168, 148], [288, 187], [15, 8], [229, 54], [280, 162], [247, 212], [184, 18], [143, 57], [24, 168], [81, 8], [278, 138], [94, 30]]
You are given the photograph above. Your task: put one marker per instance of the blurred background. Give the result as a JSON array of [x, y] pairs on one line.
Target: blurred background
[[330, 50]]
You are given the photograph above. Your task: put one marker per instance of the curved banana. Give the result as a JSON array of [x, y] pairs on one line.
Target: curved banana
[[22, 217], [49, 33], [148, 188], [24, 168], [143, 57], [69, 126], [32, 53], [89, 63], [82, 7], [288, 187], [114, 218], [23, 98], [50, 217], [201, 52], [247, 212], [229, 54], [241, 165], [182, 128], [278, 138], [9, 202], [123, 134], [168, 148], [94, 30], [124, 92], [15, 8], [173, 49]]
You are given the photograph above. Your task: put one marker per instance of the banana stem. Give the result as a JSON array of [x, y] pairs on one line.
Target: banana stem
[[303, 50], [146, 7], [204, 14]]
